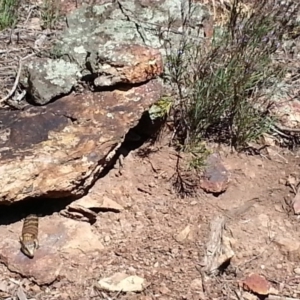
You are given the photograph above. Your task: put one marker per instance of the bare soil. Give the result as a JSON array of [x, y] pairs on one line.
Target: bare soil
[[141, 240]]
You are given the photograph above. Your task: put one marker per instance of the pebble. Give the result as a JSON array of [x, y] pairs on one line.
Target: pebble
[[164, 290], [196, 284]]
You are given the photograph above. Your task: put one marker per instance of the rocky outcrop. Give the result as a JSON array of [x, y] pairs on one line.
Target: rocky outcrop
[[112, 43], [58, 150], [113, 52]]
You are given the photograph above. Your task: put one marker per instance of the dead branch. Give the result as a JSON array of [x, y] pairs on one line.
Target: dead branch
[[17, 78]]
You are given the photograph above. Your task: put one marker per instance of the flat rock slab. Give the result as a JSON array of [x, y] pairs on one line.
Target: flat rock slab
[[59, 238], [59, 150]]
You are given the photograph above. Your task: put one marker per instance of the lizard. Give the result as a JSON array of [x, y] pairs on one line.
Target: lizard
[[29, 238]]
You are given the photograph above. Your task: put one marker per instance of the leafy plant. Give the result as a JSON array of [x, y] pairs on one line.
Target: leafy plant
[[161, 108], [199, 154]]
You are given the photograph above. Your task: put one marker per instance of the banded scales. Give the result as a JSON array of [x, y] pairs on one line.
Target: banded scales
[[29, 237]]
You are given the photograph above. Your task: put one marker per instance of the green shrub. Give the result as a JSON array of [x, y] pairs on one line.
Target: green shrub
[[225, 87]]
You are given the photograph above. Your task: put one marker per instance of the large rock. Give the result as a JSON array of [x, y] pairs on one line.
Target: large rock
[[46, 78], [112, 43], [117, 49], [58, 150], [62, 244]]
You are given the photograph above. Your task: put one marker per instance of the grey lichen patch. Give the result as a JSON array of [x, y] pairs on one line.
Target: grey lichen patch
[[46, 79], [110, 53], [101, 12], [62, 73], [91, 26], [85, 15], [165, 17]]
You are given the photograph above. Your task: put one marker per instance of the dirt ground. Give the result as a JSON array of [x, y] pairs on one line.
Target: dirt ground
[[143, 238]]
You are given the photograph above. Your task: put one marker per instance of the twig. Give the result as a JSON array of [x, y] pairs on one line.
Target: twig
[[17, 79], [203, 279], [3, 51], [30, 13], [283, 128], [15, 84], [280, 132]]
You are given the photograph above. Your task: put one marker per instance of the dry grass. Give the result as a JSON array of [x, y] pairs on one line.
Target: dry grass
[[220, 9], [22, 33]]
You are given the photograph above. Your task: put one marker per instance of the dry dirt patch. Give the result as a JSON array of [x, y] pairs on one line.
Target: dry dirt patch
[[162, 237]]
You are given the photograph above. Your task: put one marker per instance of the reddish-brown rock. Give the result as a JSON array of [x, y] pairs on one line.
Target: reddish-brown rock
[[215, 178], [257, 284], [59, 150]]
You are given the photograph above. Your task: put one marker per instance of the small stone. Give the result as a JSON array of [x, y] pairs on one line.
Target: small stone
[[132, 270], [123, 282], [279, 266], [297, 271], [256, 283], [34, 24], [35, 288], [216, 177], [264, 220], [248, 296], [106, 238], [273, 291], [278, 208], [175, 251], [196, 284], [143, 297], [111, 204], [296, 203], [182, 235], [288, 247], [164, 290]]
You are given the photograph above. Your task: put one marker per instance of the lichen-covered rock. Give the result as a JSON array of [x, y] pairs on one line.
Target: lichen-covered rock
[[111, 43], [126, 63], [58, 150], [145, 23], [46, 78]]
